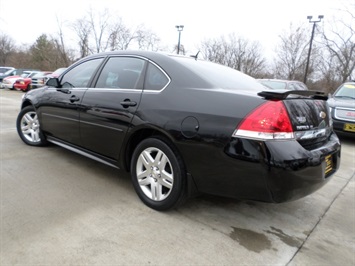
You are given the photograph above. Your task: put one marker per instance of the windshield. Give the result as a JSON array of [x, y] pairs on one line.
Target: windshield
[[40, 74], [8, 72], [4, 69], [24, 75], [346, 91]]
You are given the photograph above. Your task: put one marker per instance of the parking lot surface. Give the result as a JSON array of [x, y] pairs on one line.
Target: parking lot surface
[[59, 208]]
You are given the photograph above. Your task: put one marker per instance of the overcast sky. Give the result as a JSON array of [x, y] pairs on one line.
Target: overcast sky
[[256, 20]]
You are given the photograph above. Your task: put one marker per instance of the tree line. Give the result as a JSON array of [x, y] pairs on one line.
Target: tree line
[[332, 57]]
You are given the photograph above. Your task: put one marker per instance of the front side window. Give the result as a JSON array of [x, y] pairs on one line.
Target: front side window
[[79, 76], [121, 73]]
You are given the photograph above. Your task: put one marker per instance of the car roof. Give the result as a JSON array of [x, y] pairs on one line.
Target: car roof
[[184, 69]]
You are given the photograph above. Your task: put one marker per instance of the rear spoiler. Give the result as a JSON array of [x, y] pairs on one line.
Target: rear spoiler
[[281, 95]]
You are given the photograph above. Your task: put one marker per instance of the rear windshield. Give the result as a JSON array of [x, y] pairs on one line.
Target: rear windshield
[[276, 85], [220, 76]]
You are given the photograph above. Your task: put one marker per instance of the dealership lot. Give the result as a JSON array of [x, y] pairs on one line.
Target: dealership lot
[[58, 207]]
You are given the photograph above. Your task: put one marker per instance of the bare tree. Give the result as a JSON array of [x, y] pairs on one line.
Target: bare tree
[[147, 40], [99, 29], [329, 80], [291, 54], [339, 41], [7, 47], [235, 52], [120, 36], [21, 57], [60, 45], [82, 28], [108, 34]]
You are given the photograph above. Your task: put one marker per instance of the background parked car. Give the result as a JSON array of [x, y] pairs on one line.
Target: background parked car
[[9, 82], [15, 72], [342, 108], [280, 84], [57, 72], [39, 80], [3, 69], [25, 83]]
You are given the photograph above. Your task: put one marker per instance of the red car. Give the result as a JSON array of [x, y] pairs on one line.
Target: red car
[[24, 84], [9, 82]]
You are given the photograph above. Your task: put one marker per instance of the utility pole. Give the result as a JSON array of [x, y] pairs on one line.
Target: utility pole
[[310, 43], [179, 28]]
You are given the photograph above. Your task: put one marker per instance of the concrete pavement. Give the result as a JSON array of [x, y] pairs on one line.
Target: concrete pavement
[[59, 208]]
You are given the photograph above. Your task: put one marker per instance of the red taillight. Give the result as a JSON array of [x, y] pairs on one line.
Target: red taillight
[[269, 121]]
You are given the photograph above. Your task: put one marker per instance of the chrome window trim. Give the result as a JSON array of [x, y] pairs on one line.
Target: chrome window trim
[[166, 75], [145, 59]]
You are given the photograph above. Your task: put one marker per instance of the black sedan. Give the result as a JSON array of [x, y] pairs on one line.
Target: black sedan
[[183, 126], [342, 108]]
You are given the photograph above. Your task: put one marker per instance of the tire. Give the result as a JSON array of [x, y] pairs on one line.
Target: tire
[[28, 127], [27, 88], [158, 174]]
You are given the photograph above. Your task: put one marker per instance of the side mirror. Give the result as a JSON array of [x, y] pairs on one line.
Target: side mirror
[[53, 82]]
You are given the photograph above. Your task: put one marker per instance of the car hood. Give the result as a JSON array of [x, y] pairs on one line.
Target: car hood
[[12, 77], [341, 102]]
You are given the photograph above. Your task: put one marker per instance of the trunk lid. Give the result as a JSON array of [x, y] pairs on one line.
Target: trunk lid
[[309, 115]]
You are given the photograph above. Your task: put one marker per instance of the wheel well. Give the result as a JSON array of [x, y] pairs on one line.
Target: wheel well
[[140, 135], [25, 104]]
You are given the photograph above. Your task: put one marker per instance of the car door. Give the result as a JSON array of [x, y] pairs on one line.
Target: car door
[[60, 108], [109, 107]]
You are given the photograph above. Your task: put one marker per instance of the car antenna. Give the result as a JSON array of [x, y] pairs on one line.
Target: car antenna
[[196, 55]]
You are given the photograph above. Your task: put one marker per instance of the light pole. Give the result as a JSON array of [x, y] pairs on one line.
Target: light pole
[[310, 43], [179, 28]]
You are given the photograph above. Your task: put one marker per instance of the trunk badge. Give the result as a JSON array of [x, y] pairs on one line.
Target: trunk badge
[[301, 119]]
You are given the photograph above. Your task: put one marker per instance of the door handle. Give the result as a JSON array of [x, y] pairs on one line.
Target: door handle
[[74, 99], [128, 103]]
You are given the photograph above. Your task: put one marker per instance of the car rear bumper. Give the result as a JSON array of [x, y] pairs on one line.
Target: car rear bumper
[[305, 173], [269, 171]]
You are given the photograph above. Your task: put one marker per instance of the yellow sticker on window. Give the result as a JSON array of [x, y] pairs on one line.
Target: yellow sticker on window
[[350, 86]]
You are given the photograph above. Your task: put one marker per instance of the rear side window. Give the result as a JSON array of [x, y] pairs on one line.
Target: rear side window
[[121, 73], [155, 79]]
